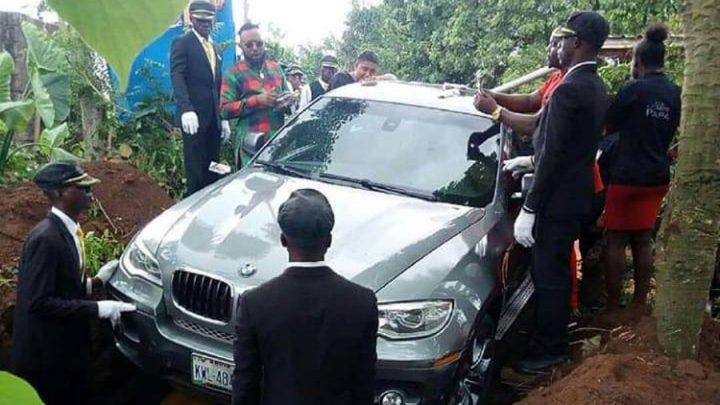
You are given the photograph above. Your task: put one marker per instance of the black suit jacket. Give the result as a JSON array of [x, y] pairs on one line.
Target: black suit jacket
[[194, 86], [51, 330], [566, 142], [307, 336]]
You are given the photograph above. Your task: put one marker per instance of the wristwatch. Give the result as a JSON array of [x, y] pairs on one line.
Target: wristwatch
[[495, 116]]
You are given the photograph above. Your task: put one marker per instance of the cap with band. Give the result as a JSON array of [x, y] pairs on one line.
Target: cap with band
[[329, 61], [294, 70], [587, 26], [61, 174], [202, 9]]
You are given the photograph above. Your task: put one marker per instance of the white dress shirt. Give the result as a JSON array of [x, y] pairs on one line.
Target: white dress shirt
[[307, 264], [72, 227]]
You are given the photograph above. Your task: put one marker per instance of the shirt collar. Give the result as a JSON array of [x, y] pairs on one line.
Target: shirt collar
[[71, 225], [579, 65], [200, 37], [307, 264], [323, 84]]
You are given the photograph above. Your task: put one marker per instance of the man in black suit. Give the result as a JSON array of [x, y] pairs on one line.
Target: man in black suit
[[561, 197], [51, 331], [307, 336], [195, 69], [328, 67]]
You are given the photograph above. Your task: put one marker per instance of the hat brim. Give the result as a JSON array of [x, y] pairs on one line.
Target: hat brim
[[329, 65]]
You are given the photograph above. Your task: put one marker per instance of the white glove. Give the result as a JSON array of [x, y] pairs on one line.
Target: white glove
[[107, 271], [113, 309], [524, 227], [519, 165], [189, 121], [225, 133]]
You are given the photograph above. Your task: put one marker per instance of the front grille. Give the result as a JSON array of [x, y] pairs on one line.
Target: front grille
[[202, 295], [202, 330]]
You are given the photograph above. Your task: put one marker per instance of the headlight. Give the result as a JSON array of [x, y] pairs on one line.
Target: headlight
[[138, 261], [413, 320]]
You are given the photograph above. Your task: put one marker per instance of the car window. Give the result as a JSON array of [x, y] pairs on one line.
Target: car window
[[441, 153]]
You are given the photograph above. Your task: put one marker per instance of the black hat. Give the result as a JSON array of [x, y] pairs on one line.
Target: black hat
[[202, 9], [329, 61], [306, 216], [587, 26], [61, 174]]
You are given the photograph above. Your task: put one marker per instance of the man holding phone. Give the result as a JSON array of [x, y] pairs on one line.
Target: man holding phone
[[253, 91]]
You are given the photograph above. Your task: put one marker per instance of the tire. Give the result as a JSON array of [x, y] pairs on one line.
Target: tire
[[476, 375]]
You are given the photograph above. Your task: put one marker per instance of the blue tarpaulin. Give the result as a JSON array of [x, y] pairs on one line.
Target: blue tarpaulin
[[150, 71]]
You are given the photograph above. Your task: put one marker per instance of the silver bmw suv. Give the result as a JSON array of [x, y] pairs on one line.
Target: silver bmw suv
[[422, 218]]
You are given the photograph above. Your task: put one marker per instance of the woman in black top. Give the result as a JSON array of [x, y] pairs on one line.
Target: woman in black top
[[646, 113]]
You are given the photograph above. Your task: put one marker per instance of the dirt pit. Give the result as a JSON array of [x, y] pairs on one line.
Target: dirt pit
[[128, 197], [629, 368]]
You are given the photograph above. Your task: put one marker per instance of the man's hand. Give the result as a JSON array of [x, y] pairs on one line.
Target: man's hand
[[113, 309], [225, 133], [523, 228], [484, 102], [519, 166], [189, 121], [266, 100], [107, 271]]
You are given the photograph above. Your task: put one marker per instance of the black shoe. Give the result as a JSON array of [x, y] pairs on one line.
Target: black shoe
[[538, 363]]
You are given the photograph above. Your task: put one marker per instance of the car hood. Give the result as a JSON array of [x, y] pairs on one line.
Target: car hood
[[376, 235]]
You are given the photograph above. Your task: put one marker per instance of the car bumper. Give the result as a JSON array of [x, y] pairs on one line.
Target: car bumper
[[141, 341]]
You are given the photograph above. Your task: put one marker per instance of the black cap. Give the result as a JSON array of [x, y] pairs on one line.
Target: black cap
[[306, 217], [587, 26], [61, 174], [329, 61], [202, 9]]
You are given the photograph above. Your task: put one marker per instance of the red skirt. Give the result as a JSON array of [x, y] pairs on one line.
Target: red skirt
[[633, 208]]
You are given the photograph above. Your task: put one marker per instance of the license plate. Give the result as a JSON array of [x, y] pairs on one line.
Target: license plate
[[213, 372]]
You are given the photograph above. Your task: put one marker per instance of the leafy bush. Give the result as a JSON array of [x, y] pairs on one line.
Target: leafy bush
[[99, 249]]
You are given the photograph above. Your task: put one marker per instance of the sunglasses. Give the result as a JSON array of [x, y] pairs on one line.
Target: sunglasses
[[254, 44]]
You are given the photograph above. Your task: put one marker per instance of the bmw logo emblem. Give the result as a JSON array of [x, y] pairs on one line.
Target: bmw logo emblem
[[247, 270]]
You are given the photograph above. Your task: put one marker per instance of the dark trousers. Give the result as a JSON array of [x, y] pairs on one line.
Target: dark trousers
[[58, 387], [198, 151], [551, 255]]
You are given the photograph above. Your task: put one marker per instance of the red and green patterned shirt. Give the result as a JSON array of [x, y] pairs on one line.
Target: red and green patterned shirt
[[238, 99]]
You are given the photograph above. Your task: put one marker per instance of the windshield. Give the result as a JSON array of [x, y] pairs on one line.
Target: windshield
[[449, 156]]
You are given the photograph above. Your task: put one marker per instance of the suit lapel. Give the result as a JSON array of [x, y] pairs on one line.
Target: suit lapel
[[68, 241], [201, 50]]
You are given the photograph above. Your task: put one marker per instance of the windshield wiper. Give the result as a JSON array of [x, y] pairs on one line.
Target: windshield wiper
[[375, 186], [284, 169]]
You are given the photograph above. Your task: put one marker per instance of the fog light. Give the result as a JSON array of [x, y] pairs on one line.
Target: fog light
[[392, 398]]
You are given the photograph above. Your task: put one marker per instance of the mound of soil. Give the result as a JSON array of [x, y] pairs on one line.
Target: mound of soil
[[629, 368], [129, 198]]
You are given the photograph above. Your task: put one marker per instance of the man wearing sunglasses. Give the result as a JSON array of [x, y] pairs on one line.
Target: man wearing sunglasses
[[254, 92], [51, 330], [195, 70]]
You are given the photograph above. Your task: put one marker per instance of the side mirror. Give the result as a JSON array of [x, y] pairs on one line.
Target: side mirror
[[253, 142]]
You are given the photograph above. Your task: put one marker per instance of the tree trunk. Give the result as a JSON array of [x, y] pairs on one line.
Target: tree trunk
[[685, 254], [91, 116]]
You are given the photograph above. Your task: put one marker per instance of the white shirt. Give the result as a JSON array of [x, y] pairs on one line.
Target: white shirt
[[72, 227], [307, 264], [580, 65]]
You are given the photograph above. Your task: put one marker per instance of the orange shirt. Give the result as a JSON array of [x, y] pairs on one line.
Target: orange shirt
[[547, 88]]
